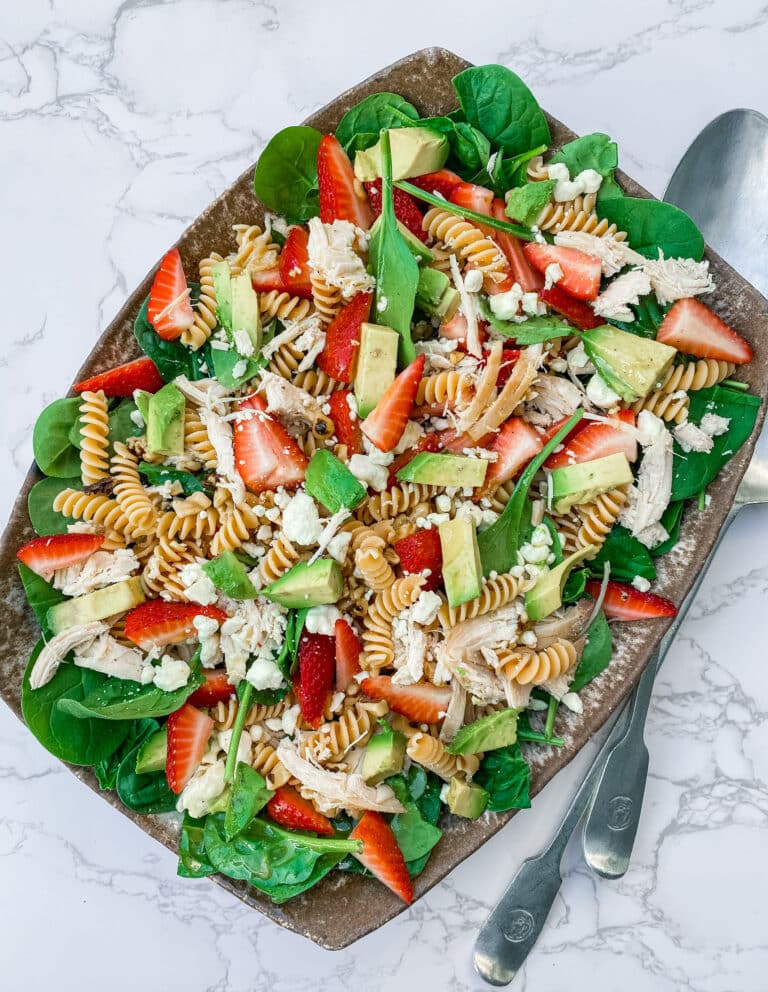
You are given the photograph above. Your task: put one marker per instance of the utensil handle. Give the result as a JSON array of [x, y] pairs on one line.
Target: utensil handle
[[611, 823]]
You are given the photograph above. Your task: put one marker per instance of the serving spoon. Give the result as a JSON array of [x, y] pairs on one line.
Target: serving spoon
[[732, 148]]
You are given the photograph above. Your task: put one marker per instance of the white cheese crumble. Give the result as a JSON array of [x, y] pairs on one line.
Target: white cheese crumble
[[206, 785], [208, 634], [552, 274], [473, 281], [365, 470], [301, 521], [588, 181], [333, 255], [411, 435], [426, 607], [171, 674], [322, 620], [692, 438], [578, 360], [600, 393], [641, 583], [243, 342], [264, 674], [506, 306], [199, 588], [714, 425]]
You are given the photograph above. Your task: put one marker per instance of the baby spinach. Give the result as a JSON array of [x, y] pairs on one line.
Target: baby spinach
[[121, 699], [80, 742], [248, 795], [193, 862], [592, 151], [596, 655], [223, 364], [395, 268], [43, 517], [156, 475], [53, 450], [533, 330], [499, 104], [41, 595], [525, 203], [575, 585], [106, 770], [648, 318], [693, 470], [469, 147], [652, 225], [361, 125], [506, 777], [415, 832], [286, 174], [627, 557], [671, 521], [148, 792], [121, 424], [510, 171], [172, 358]]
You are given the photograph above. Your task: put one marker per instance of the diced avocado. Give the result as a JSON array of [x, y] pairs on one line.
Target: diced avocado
[[435, 294], [220, 803], [376, 365], [331, 483], [462, 571], [222, 287], [141, 398], [467, 799], [444, 470], [585, 481], [307, 585], [486, 734], [547, 595], [153, 752], [230, 575], [98, 605], [165, 421], [632, 366], [246, 323], [415, 151], [384, 756]]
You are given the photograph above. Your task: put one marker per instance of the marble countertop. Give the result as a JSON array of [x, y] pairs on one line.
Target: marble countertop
[[119, 122]]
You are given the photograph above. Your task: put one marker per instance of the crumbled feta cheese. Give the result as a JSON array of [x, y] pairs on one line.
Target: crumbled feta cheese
[[365, 470], [301, 521], [572, 701], [321, 620], [578, 360], [641, 583], [714, 425], [206, 785], [413, 431], [443, 503], [426, 607], [264, 674], [137, 419], [256, 628], [614, 302], [506, 306], [333, 254], [243, 342], [541, 536], [528, 638], [290, 719], [243, 745], [239, 368], [208, 633], [600, 393], [532, 305], [171, 674], [199, 588], [480, 516], [588, 181], [552, 274], [338, 546], [473, 281], [692, 438]]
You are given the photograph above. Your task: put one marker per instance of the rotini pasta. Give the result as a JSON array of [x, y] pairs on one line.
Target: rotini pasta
[[467, 241], [398, 499], [206, 320], [281, 556], [94, 438], [130, 494], [495, 594], [668, 406], [94, 508], [373, 567], [352, 728], [444, 389], [430, 753], [378, 650], [327, 299], [528, 667]]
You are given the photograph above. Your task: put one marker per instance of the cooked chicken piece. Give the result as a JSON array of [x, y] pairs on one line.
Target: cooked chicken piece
[[295, 408], [465, 640], [481, 682], [108, 656], [220, 436], [649, 498], [553, 399], [53, 653], [569, 625], [675, 278], [614, 301], [612, 253], [102, 568]]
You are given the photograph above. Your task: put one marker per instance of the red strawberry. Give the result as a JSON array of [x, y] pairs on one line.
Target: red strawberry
[[508, 358], [381, 854], [581, 272], [169, 310], [579, 313], [294, 263], [336, 181], [472, 197], [188, 732], [348, 650], [624, 602], [529, 280], [443, 182], [385, 424], [451, 440], [346, 425], [516, 444], [291, 810], [693, 328], [123, 380], [420, 703], [419, 551], [596, 439], [266, 456], [407, 209], [158, 622], [45, 554], [215, 689], [315, 677], [427, 442], [268, 281], [342, 338], [455, 329]]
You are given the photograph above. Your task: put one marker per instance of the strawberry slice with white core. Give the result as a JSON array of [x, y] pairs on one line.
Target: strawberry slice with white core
[[515, 444], [419, 703], [693, 329], [169, 310], [385, 424], [581, 272], [266, 456], [45, 554], [339, 196], [159, 622], [348, 651], [189, 730]]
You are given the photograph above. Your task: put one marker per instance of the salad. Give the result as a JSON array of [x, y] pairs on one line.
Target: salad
[[339, 552]]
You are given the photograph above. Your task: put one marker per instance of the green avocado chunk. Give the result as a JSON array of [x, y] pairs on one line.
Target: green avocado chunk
[[585, 481], [165, 421], [331, 483], [415, 151], [462, 571], [307, 584], [152, 755], [227, 573], [246, 322], [98, 605], [486, 734], [384, 756], [444, 470], [632, 366], [141, 398], [547, 595], [466, 799], [435, 295], [222, 287], [376, 365]]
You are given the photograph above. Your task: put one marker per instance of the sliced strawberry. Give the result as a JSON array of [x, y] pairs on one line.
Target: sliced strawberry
[[624, 602], [124, 380], [693, 329], [578, 312], [455, 329], [420, 702], [266, 456], [443, 182], [189, 730], [472, 197], [158, 622], [516, 444], [422, 551], [381, 854], [508, 358], [342, 338], [169, 310], [45, 554], [269, 281], [581, 272], [596, 439], [529, 280], [336, 181], [407, 209], [345, 423], [451, 440], [385, 424], [348, 650], [315, 676], [291, 810], [215, 689], [427, 442], [294, 263]]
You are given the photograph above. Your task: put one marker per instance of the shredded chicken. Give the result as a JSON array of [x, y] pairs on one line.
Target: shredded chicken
[[481, 683], [675, 278], [454, 716], [333, 254], [202, 392], [615, 300], [552, 398], [102, 568], [465, 640], [569, 625], [106, 655], [295, 408], [613, 254], [53, 653], [220, 436], [468, 308], [649, 498]]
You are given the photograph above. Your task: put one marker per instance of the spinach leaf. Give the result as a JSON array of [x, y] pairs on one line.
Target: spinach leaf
[[416, 834], [121, 426], [223, 365], [156, 475], [54, 452], [106, 770], [575, 585], [671, 521], [596, 655], [517, 230], [80, 742], [525, 203], [172, 358], [396, 270], [43, 517], [652, 225], [248, 795], [286, 174], [148, 792], [627, 556], [506, 777], [648, 318], [510, 171], [534, 330], [469, 147], [193, 862], [41, 595], [499, 104], [121, 699], [693, 470], [366, 119], [592, 151]]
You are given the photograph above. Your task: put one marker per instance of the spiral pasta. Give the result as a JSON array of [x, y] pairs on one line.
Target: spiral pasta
[[235, 523], [701, 374], [206, 321], [352, 728], [444, 389], [527, 666], [281, 556], [494, 594], [373, 567], [430, 753], [265, 761], [536, 170], [224, 712], [577, 215], [317, 383], [378, 650], [94, 437], [592, 522], [398, 499], [467, 241], [131, 496], [283, 306], [255, 249], [327, 299], [667, 406], [286, 360], [93, 508]]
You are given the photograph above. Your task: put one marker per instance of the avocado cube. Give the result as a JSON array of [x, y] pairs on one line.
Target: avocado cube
[[466, 799], [547, 595], [486, 734], [632, 366], [246, 322], [581, 483], [415, 151], [222, 287], [444, 470], [141, 398], [165, 421], [152, 754], [227, 573], [98, 605], [331, 483], [315, 584], [436, 295], [462, 571], [384, 756], [376, 365]]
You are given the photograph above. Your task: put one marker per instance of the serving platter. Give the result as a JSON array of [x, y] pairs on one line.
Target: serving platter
[[343, 908]]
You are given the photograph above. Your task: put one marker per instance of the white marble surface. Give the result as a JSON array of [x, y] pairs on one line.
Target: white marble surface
[[118, 123]]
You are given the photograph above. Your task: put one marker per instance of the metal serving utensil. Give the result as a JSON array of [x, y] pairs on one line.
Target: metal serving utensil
[[509, 933], [730, 156]]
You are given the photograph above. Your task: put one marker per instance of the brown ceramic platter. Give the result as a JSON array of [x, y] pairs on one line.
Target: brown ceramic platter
[[343, 908]]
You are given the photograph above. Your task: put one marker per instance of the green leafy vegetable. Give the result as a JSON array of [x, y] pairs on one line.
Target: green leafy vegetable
[[596, 655], [149, 792], [499, 104], [648, 318], [171, 357], [526, 733], [43, 517], [575, 585], [469, 147], [511, 171], [671, 521], [506, 777], [534, 330], [106, 770], [525, 203], [121, 426], [652, 225], [121, 699], [592, 151], [41, 595], [436, 201], [415, 834], [286, 174], [248, 795], [627, 557], [362, 124], [54, 452], [156, 475], [193, 862]]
